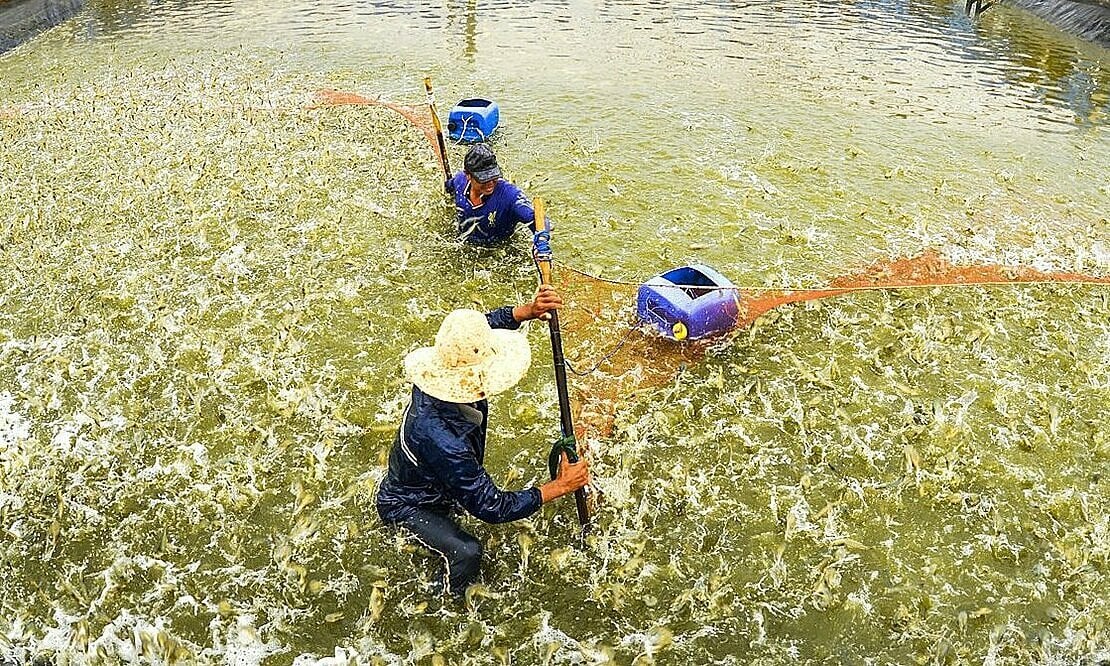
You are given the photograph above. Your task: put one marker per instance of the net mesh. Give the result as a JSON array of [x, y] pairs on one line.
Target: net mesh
[[613, 359], [420, 117]]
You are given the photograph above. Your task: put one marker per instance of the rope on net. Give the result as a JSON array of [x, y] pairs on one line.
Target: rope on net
[[596, 413], [596, 307]]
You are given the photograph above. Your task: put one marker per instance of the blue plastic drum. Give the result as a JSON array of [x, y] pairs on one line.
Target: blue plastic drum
[[690, 302], [473, 120]]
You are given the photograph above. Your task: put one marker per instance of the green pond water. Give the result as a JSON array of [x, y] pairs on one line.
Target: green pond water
[[206, 291]]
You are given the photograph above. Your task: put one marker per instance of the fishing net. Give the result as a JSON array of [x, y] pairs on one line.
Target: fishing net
[[420, 118], [613, 359]]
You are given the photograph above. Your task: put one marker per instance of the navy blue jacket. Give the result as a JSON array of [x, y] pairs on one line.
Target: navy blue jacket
[[437, 455]]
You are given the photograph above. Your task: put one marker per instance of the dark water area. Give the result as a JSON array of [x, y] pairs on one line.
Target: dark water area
[[22, 19], [1088, 20]]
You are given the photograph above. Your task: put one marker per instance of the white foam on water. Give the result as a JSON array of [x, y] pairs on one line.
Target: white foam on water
[[58, 638], [234, 263], [563, 648], [247, 655], [242, 645], [14, 428], [1063, 654], [342, 657]]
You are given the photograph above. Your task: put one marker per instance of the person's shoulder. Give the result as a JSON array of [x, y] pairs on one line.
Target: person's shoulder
[[511, 188], [512, 195], [439, 422]]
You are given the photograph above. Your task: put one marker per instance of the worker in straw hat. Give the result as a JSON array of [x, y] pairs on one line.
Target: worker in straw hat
[[436, 463]]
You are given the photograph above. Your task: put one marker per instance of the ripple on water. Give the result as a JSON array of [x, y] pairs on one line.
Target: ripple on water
[[206, 290]]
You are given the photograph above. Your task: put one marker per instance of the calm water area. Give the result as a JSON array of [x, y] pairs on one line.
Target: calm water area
[[208, 283]]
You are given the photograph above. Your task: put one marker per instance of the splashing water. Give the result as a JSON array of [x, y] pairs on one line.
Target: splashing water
[[643, 361], [206, 290]]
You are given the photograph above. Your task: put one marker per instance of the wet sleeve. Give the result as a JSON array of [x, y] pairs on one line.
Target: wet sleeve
[[470, 485], [523, 211], [452, 183], [502, 317]]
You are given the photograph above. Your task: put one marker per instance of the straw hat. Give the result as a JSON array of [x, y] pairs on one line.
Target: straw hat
[[470, 361]]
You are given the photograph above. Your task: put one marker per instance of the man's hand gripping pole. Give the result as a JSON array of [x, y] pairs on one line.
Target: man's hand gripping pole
[[566, 445]]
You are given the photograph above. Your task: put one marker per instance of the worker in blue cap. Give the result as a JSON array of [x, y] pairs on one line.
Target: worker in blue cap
[[489, 207]]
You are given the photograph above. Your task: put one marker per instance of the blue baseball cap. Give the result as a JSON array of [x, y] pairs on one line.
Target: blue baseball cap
[[481, 163]]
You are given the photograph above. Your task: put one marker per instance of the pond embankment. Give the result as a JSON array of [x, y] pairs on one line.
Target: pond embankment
[[22, 19], [1087, 20]]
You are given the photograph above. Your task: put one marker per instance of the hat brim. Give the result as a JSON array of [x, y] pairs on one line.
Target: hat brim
[[486, 175], [508, 365]]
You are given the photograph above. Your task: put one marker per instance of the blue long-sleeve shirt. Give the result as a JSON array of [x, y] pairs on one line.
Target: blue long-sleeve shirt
[[496, 218], [437, 459]]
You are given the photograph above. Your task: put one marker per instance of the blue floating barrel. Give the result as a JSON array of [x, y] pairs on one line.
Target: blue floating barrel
[[690, 302], [472, 120]]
